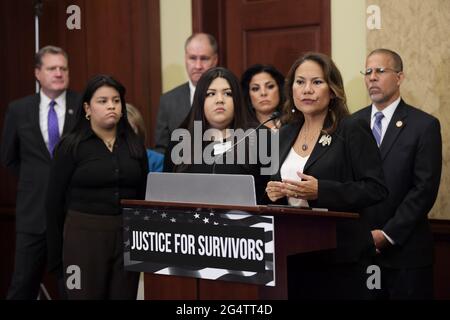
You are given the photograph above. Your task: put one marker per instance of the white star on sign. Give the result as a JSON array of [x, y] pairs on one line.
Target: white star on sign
[[206, 220]]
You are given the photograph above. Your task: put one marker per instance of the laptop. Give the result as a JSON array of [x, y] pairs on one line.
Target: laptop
[[218, 189]]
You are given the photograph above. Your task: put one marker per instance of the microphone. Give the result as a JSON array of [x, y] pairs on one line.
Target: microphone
[[273, 116]]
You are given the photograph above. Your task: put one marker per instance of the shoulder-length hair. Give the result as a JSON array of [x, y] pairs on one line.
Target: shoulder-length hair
[[337, 108], [82, 127], [197, 113], [247, 78]]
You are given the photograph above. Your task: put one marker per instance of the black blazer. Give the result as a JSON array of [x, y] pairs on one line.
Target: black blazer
[[350, 178], [24, 151], [411, 153], [348, 170], [174, 106]]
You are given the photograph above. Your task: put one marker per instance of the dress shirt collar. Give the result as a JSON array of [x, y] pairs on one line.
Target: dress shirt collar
[[60, 100], [388, 112], [191, 91]]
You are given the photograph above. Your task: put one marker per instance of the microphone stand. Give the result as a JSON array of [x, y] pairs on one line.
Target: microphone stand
[[273, 116]]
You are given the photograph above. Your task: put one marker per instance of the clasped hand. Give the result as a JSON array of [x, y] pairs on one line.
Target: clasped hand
[[306, 189]]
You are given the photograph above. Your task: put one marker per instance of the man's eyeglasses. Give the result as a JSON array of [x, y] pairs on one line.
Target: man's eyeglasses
[[377, 71]]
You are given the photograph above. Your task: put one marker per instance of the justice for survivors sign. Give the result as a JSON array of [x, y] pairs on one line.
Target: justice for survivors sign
[[219, 245]]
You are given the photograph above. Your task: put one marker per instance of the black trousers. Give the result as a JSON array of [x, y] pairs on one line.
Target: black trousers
[[93, 258], [320, 275], [29, 265], [406, 284]]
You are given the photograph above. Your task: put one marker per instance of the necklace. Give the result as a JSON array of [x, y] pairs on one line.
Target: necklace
[[305, 145], [306, 140], [110, 143]]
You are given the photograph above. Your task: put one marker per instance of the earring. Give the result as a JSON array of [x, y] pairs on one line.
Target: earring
[[88, 117], [293, 110]]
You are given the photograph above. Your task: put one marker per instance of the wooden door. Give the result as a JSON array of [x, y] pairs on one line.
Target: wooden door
[[264, 31]]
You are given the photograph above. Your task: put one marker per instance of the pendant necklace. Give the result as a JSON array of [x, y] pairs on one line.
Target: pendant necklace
[[110, 143], [305, 145]]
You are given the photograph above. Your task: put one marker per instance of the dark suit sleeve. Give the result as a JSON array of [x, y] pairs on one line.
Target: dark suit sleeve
[[162, 130], [10, 148], [364, 185], [61, 171], [421, 197]]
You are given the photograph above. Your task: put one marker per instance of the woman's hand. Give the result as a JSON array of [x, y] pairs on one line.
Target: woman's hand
[[306, 189], [273, 190]]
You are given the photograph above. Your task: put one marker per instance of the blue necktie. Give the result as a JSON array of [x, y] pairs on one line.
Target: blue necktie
[[53, 129], [377, 127]]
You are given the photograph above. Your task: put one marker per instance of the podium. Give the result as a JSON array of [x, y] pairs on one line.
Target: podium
[[296, 231]]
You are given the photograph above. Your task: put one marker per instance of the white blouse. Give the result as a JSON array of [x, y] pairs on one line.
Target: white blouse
[[291, 165]]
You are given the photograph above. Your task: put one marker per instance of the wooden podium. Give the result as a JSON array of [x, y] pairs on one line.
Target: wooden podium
[[296, 231]]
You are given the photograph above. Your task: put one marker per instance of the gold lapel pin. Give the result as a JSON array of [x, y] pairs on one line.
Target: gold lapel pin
[[399, 124]]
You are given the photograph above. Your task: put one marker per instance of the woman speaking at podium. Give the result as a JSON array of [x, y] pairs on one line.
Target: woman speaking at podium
[[327, 159], [100, 162], [209, 140]]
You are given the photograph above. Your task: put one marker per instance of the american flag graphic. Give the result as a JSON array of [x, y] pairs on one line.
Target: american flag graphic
[[201, 221]]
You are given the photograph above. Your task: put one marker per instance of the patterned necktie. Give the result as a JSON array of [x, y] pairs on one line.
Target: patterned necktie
[[53, 129], [377, 127]]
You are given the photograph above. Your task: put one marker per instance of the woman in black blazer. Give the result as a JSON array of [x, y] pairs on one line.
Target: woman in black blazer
[[327, 159]]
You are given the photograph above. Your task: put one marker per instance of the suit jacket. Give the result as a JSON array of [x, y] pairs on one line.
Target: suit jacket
[[24, 151], [350, 178], [411, 153], [174, 106]]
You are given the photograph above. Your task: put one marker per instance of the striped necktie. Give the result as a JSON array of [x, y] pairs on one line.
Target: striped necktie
[[377, 127]]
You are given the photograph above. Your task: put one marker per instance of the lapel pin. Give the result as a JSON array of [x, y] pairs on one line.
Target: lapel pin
[[70, 111], [399, 124]]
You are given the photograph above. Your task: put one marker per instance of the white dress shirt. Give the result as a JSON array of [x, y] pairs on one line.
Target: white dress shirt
[[388, 112], [60, 109], [294, 163], [192, 91]]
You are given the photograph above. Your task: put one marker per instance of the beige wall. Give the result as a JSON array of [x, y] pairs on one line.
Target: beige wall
[[348, 43], [347, 18], [419, 31], [176, 26]]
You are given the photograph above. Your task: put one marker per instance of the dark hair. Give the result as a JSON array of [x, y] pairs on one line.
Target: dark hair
[[337, 109], [197, 113], [211, 39], [247, 78], [398, 63], [82, 127], [48, 50]]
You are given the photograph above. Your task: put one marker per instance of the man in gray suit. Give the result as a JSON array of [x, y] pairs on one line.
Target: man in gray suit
[[200, 55], [32, 128]]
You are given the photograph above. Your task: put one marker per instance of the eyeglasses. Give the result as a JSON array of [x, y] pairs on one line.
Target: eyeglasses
[[378, 71]]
